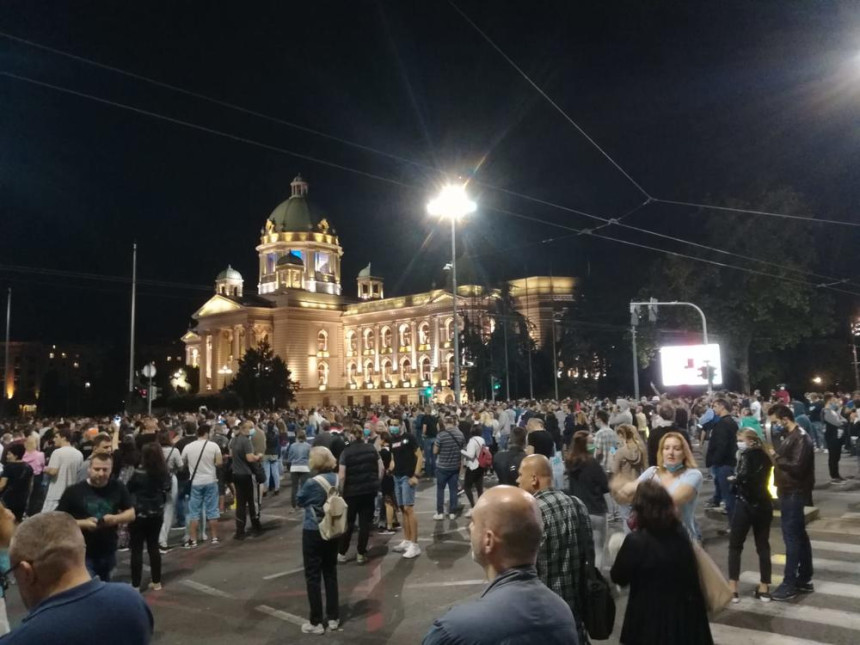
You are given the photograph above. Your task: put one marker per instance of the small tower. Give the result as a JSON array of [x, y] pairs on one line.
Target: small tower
[[369, 287], [229, 283]]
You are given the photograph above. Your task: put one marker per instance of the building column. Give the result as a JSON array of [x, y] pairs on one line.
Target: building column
[[434, 350], [414, 344], [377, 345]]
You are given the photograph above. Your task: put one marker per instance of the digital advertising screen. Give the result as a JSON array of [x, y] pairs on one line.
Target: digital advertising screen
[[683, 364]]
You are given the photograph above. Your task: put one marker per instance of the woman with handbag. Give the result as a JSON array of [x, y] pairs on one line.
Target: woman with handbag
[[319, 556], [753, 509], [148, 486], [474, 475], [628, 463], [657, 561]]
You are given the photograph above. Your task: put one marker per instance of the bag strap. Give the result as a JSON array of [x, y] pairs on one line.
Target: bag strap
[[197, 465], [322, 481], [459, 445]]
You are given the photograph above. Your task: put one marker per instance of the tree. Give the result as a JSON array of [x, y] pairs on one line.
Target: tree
[[262, 380], [750, 314]]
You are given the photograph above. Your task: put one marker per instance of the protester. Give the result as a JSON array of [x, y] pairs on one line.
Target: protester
[[243, 454], [318, 555], [656, 560], [430, 427], [271, 460], [62, 468], [149, 487], [407, 462], [834, 431], [297, 457], [753, 508], [7, 530], [173, 461], [516, 608], [67, 606], [100, 504], [448, 443], [201, 459], [720, 457], [506, 464], [587, 482], [567, 547], [628, 463], [359, 474], [16, 480], [35, 458], [794, 472], [474, 473]]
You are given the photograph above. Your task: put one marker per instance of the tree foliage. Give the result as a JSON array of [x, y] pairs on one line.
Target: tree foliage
[[262, 380]]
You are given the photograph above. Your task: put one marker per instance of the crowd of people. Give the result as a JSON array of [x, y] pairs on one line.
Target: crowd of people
[[561, 476]]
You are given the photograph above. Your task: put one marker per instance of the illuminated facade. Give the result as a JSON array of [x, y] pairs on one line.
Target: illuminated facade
[[341, 350]]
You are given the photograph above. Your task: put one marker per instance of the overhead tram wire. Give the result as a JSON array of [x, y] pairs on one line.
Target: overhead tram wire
[[637, 185], [606, 221], [401, 184]]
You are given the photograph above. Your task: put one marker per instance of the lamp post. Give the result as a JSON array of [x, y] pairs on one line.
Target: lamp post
[[454, 204], [855, 332]]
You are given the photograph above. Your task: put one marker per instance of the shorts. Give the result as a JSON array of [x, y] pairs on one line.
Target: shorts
[[404, 491], [204, 496]]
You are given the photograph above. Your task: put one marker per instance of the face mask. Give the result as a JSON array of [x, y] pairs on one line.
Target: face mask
[[834, 406], [253, 432], [673, 468], [592, 448], [366, 432], [394, 429], [742, 445]]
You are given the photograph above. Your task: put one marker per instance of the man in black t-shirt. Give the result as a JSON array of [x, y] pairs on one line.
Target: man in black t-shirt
[[429, 430], [540, 442], [16, 480], [407, 461], [99, 505]]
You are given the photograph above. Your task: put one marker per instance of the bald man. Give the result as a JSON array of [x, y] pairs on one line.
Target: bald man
[[516, 608], [567, 546], [66, 605]]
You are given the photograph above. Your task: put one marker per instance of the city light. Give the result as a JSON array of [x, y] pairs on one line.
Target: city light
[[452, 202], [817, 380]]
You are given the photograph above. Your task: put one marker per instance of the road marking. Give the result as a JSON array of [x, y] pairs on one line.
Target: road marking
[[282, 615], [447, 583], [804, 613], [728, 635], [835, 546], [840, 589], [432, 541], [290, 572], [823, 564], [212, 591]]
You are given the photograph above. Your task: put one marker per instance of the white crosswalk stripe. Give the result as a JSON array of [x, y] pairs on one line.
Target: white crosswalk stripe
[[825, 588], [805, 613], [728, 635], [824, 564]]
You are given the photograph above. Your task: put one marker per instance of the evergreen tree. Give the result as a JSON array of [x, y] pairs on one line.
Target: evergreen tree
[[263, 379]]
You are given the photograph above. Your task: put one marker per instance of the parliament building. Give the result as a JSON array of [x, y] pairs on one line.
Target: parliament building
[[344, 350]]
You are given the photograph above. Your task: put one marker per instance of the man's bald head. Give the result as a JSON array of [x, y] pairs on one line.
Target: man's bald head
[[506, 528], [535, 474]]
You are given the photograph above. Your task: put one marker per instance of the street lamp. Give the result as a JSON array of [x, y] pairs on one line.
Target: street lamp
[[453, 203], [225, 371]]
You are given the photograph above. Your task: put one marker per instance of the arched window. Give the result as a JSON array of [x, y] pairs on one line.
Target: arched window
[[424, 333], [322, 373], [405, 335], [369, 339], [426, 372], [322, 341], [447, 327], [368, 370], [351, 370], [351, 343], [385, 337], [405, 369], [449, 367], [386, 370]]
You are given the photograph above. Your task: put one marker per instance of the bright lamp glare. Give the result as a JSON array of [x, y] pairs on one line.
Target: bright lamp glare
[[452, 202], [817, 380]]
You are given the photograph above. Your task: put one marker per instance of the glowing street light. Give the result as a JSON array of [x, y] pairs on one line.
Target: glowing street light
[[453, 203], [816, 380]]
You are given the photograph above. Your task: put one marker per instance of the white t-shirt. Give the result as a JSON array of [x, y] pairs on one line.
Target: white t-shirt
[[67, 461], [206, 470]]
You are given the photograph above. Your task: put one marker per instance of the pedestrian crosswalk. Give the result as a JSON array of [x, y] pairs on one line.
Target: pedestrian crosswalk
[[829, 616]]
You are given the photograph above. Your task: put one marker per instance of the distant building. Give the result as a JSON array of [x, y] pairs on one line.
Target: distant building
[[344, 350], [30, 362]]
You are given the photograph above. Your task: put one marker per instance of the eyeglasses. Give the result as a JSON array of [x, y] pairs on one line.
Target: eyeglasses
[[5, 575]]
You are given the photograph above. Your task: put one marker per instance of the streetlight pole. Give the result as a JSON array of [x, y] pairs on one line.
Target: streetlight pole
[[453, 203], [855, 331], [554, 360], [7, 375], [131, 342], [507, 367]]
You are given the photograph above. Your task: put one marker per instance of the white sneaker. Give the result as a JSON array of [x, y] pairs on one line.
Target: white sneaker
[[468, 513], [438, 516], [307, 628], [342, 558], [451, 516], [413, 551], [400, 548], [333, 625]]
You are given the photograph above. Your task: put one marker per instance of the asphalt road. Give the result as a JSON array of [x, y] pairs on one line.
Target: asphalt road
[[253, 592]]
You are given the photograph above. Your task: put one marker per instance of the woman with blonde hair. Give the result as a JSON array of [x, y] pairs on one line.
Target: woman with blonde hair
[[319, 556], [628, 463], [753, 509], [677, 471]]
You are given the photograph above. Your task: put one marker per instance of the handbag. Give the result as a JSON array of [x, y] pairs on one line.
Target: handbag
[[715, 589], [599, 610], [185, 486], [258, 472]]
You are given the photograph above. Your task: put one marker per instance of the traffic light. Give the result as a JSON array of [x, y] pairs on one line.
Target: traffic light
[[428, 391], [497, 385], [703, 373], [652, 310]]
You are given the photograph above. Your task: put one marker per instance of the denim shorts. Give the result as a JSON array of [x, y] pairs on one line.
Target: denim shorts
[[404, 492], [204, 496]]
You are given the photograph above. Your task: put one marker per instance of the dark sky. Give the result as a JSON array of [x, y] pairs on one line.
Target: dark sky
[[696, 100]]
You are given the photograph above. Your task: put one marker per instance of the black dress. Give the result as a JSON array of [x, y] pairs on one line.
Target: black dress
[[665, 606]]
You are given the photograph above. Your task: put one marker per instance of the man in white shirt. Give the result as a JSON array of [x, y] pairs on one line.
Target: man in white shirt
[[62, 468], [202, 458]]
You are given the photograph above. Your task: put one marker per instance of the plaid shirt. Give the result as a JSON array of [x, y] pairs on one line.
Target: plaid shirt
[[604, 441], [566, 546]]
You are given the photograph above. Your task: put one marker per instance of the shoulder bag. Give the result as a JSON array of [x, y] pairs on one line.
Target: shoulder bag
[[185, 488]]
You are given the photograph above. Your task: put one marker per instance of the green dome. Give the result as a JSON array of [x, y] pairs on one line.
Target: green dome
[[296, 214], [288, 259], [229, 274]]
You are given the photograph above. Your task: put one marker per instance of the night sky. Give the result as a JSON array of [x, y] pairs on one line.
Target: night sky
[[696, 100]]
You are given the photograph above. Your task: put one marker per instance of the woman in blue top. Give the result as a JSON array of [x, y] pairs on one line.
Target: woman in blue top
[[319, 555], [678, 473], [297, 457]]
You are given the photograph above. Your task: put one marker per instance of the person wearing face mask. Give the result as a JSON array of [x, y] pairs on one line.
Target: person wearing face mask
[[408, 458], [753, 509], [834, 429], [678, 472], [587, 481], [359, 475]]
